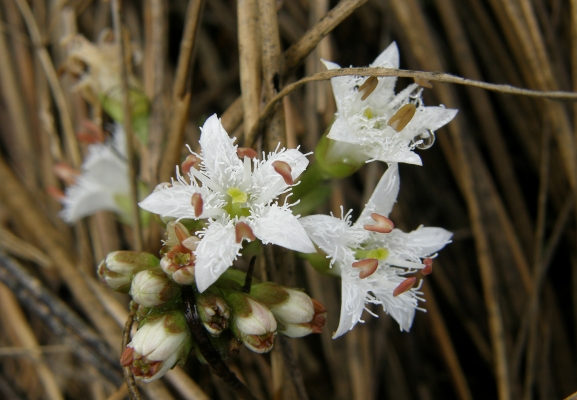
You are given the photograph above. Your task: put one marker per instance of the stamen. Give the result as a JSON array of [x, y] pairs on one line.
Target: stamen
[[246, 152], [191, 243], [191, 161], [404, 286], [154, 367], [66, 173], [197, 204], [93, 133], [423, 83], [243, 231], [284, 170], [180, 230], [368, 86], [383, 225], [318, 307], [206, 180], [428, 266], [56, 193], [368, 267], [402, 117], [318, 323], [127, 356]]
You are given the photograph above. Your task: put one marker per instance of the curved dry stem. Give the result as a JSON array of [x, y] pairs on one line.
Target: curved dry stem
[[128, 377], [402, 73]]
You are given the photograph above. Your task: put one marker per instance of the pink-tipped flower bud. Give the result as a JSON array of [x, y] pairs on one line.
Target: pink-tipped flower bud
[[161, 342], [252, 322], [296, 313], [119, 268], [178, 260], [152, 288], [213, 311]]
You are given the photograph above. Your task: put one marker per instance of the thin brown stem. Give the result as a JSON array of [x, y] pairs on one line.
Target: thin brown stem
[[128, 376], [403, 73], [210, 354]]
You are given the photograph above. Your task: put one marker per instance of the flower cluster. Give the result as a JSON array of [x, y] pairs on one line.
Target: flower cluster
[[228, 311], [225, 202]]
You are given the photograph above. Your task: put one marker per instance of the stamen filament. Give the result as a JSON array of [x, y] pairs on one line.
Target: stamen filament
[[398, 262], [206, 180]]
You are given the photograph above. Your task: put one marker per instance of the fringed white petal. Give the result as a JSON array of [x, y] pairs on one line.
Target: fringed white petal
[[174, 201], [279, 226], [402, 307], [266, 180], [384, 196], [389, 58], [219, 157], [104, 176], [334, 236], [86, 198], [428, 119], [215, 253], [353, 298], [414, 245]]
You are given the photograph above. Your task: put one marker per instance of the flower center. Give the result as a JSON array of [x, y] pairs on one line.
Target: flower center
[[237, 195], [379, 253], [238, 198], [369, 114]]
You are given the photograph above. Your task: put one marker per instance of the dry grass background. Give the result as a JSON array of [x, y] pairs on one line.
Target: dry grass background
[[501, 317]]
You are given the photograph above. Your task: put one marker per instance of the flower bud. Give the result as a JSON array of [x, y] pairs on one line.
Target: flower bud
[[161, 342], [119, 267], [213, 311], [296, 313], [178, 260], [314, 326], [339, 159], [253, 323], [152, 288]]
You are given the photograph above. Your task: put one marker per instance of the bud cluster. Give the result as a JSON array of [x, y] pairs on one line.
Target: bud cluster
[[230, 315]]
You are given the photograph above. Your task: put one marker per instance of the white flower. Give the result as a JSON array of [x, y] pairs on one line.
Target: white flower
[[371, 123], [103, 182], [238, 197], [160, 343], [374, 264]]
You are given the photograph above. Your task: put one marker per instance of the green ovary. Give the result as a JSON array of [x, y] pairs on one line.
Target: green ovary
[[368, 113], [380, 254], [238, 197]]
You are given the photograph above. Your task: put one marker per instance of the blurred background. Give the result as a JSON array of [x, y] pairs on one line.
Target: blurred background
[[502, 301]]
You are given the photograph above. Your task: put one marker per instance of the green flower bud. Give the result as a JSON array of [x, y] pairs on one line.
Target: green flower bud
[[252, 322], [339, 159], [296, 313], [119, 268], [152, 288], [213, 311]]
